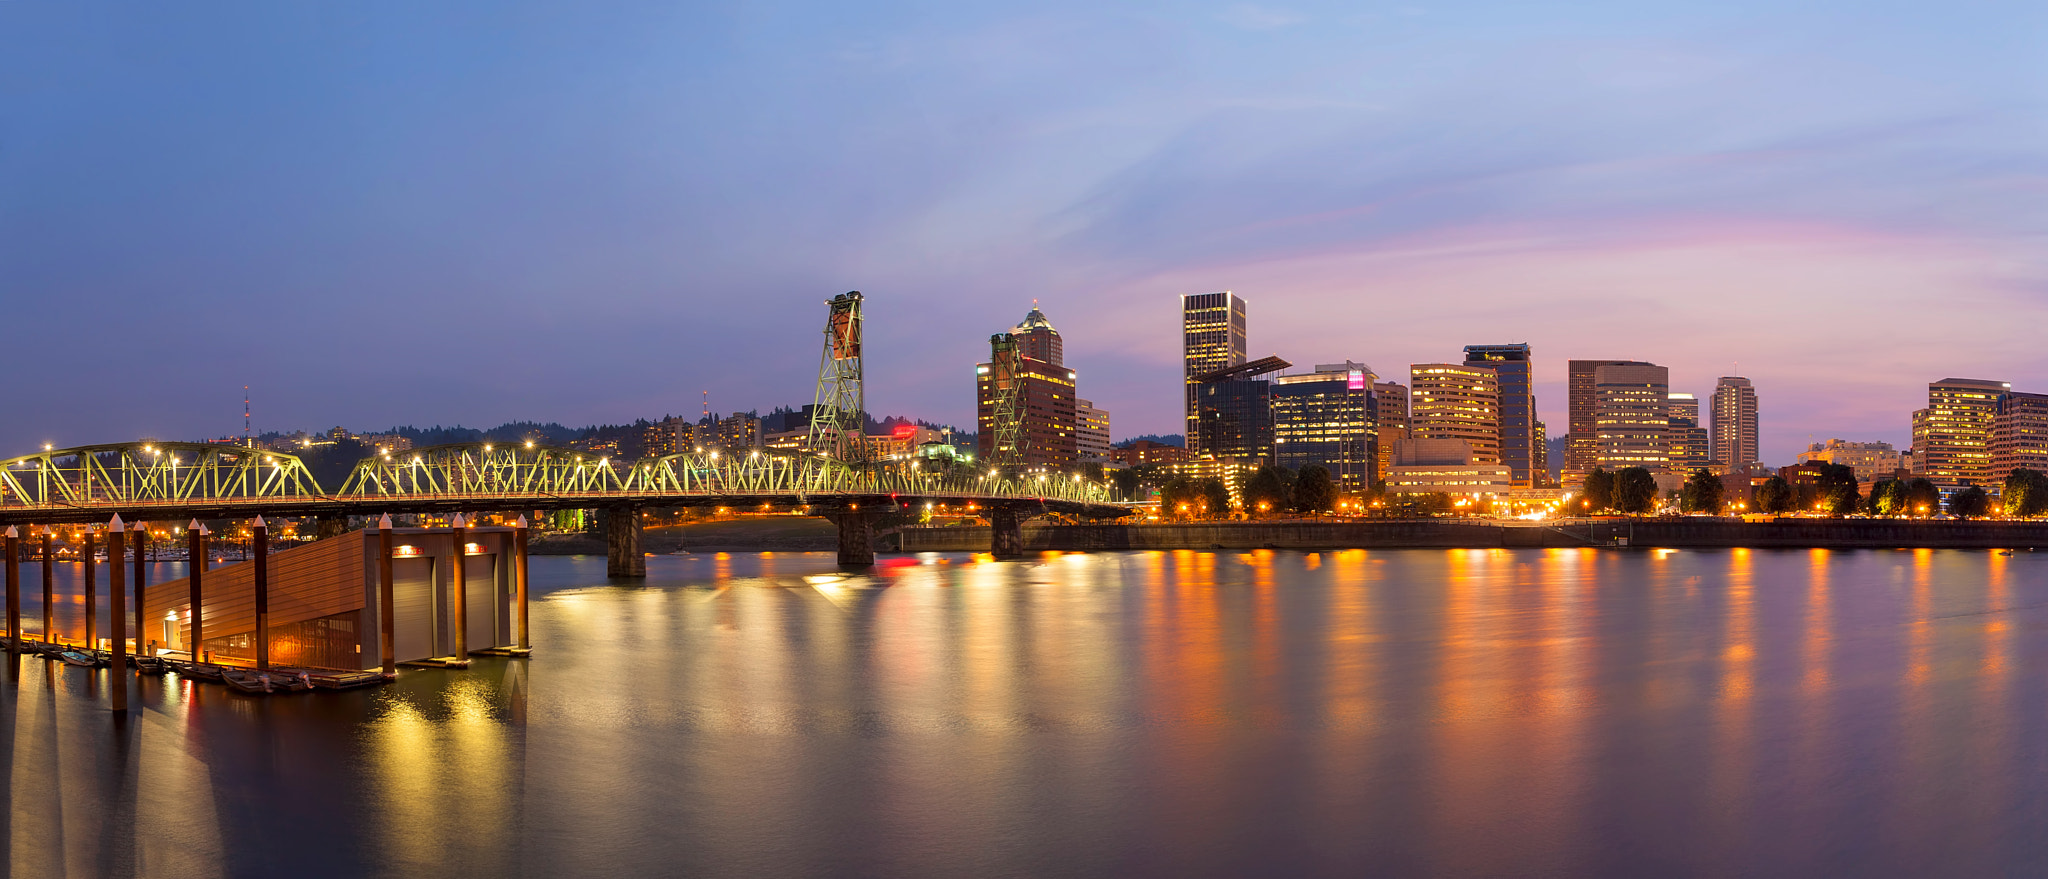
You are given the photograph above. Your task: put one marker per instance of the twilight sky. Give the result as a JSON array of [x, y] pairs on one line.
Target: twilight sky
[[381, 213]]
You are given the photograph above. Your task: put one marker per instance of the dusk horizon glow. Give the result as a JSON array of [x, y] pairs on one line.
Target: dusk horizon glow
[[378, 215]]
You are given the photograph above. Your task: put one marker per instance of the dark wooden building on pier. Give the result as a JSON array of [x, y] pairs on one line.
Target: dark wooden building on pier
[[323, 600]]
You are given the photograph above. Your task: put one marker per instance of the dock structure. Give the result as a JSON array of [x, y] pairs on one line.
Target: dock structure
[[363, 601]]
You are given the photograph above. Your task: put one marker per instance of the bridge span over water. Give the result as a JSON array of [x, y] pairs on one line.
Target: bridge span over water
[[179, 481]]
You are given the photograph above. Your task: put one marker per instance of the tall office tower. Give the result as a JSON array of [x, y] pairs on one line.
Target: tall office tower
[[1539, 456], [1456, 401], [1687, 438], [1582, 435], [1234, 413], [1517, 405], [1042, 404], [1212, 338], [1630, 416], [1326, 418], [1390, 411], [1091, 431], [2019, 435], [1037, 339], [1732, 422], [1952, 439]]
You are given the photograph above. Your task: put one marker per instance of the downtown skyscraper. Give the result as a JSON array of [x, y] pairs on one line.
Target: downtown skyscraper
[[1212, 339], [1731, 427], [1518, 443]]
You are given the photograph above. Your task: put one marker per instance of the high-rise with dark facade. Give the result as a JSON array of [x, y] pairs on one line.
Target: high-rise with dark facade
[[1325, 418], [1686, 438], [1582, 430], [1041, 405], [1517, 405], [1212, 338], [1731, 423], [1234, 413]]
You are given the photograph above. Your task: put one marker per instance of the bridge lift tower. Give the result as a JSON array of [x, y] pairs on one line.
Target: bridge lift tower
[[1006, 449], [840, 405]]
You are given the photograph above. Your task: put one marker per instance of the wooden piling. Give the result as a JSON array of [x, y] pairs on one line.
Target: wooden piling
[[13, 589], [260, 545], [117, 673], [456, 589], [49, 587], [519, 541], [195, 551], [141, 532], [387, 616], [91, 599]]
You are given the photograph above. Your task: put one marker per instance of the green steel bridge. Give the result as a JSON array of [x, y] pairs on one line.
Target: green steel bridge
[[833, 476], [164, 481]]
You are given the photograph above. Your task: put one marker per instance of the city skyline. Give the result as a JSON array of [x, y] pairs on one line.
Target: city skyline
[[564, 222]]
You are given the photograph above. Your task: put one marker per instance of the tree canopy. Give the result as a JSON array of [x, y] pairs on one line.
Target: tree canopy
[[1635, 490], [2026, 493], [1598, 491], [1314, 491], [1702, 493], [1268, 490], [1969, 503], [1776, 496]]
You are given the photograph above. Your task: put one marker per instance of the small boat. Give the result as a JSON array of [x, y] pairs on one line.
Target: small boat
[[149, 665], [199, 671], [80, 659], [247, 680]]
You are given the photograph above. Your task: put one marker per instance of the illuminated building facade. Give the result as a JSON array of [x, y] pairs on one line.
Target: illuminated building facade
[[1630, 419], [1871, 461], [1459, 402], [1512, 369], [1212, 338], [1146, 453], [1446, 466], [1091, 432], [1732, 422], [1046, 432], [1326, 418], [1689, 446], [1390, 413], [1952, 436], [1582, 433], [2019, 435]]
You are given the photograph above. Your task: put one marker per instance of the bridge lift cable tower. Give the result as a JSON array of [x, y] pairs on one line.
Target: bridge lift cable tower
[[839, 406], [1006, 450]]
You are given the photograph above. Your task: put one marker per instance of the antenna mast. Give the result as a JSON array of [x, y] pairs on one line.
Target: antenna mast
[[247, 442]]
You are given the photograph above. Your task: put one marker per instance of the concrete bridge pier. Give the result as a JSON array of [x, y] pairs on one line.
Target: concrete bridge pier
[[622, 554], [1006, 533], [856, 538]]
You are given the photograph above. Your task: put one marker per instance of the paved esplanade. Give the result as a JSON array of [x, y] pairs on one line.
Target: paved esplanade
[[178, 481]]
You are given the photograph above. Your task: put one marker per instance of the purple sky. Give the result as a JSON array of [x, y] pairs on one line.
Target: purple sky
[[386, 213]]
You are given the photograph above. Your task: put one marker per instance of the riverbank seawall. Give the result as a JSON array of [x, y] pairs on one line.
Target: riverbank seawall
[[1451, 534]]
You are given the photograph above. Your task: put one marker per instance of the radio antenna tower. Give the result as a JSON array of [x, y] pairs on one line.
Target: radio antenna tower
[[247, 441], [1007, 448], [840, 404]]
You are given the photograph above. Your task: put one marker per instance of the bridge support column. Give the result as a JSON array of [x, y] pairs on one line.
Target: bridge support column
[[856, 538], [623, 556], [1006, 533]]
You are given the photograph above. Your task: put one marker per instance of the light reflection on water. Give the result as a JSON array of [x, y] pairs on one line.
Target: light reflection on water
[[1574, 712]]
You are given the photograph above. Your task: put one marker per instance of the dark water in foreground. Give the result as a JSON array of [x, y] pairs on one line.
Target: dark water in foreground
[[1482, 712]]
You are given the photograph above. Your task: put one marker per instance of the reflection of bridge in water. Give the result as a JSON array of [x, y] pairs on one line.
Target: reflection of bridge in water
[[832, 478]]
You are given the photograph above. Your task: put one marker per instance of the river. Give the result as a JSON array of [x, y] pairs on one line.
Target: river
[[1389, 713]]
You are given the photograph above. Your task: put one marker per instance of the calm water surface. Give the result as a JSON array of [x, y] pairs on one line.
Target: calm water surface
[[1481, 712]]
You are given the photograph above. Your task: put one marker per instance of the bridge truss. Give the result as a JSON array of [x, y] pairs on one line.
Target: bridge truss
[[176, 480]]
